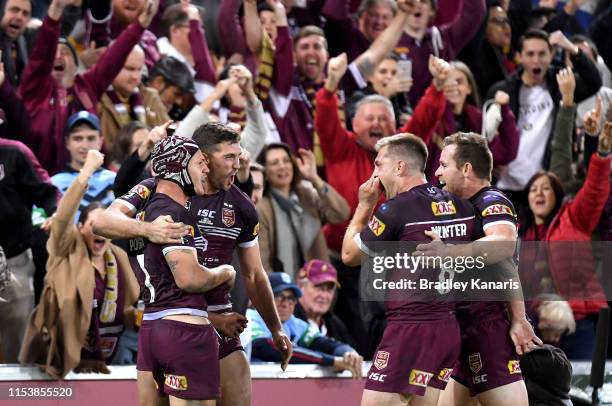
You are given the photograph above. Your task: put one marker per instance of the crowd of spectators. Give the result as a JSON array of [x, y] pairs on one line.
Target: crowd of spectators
[[311, 86]]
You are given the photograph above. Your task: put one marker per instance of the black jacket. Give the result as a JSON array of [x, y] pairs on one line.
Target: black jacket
[[20, 189], [588, 82]]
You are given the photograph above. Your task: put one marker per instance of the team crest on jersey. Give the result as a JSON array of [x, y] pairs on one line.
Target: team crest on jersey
[[381, 360], [497, 209], [445, 374], [443, 208], [228, 217], [419, 378], [475, 362], [176, 382], [141, 191], [514, 367], [256, 229], [377, 226]]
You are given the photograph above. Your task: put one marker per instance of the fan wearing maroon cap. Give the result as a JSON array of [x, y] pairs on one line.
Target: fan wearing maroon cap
[[178, 351], [318, 281]]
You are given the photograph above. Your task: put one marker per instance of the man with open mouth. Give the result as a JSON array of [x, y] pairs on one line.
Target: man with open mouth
[[15, 38], [535, 99]]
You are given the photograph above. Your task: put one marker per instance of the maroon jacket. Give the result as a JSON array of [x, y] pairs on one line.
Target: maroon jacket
[[50, 105], [504, 147]]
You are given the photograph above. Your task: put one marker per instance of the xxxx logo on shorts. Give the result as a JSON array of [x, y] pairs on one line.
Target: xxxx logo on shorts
[[475, 362], [445, 374], [376, 226], [381, 360], [419, 378], [176, 382], [514, 367]]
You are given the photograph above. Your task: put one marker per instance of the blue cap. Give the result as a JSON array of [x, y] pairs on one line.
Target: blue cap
[[83, 116], [281, 281]]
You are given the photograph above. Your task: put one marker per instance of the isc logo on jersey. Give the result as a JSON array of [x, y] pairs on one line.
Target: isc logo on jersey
[[419, 378], [176, 382], [514, 367], [443, 208], [376, 226], [497, 209]]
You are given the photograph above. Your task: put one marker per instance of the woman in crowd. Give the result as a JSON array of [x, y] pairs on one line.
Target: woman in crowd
[[129, 139], [292, 211], [392, 82], [88, 294], [565, 263], [463, 114]]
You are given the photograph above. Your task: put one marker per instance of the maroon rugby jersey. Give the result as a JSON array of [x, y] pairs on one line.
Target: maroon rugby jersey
[[161, 294], [405, 218], [492, 208], [225, 220]]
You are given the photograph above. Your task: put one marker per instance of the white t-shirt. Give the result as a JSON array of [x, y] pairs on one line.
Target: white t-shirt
[[535, 121]]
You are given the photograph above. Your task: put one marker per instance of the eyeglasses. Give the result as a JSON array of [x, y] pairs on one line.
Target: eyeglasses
[[285, 298], [500, 20]]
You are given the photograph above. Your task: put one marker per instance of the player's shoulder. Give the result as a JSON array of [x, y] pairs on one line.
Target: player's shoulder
[[490, 200], [234, 194], [441, 202], [161, 204], [142, 190]]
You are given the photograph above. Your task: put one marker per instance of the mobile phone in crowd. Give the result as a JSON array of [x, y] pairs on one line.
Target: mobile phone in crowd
[[404, 69]]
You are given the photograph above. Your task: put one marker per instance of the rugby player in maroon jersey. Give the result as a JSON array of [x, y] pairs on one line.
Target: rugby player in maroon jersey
[[227, 220], [421, 342]]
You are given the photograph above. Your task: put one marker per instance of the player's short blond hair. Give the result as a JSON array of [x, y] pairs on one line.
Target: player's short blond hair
[[407, 147]]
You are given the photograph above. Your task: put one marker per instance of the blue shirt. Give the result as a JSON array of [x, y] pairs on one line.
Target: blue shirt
[[100, 187]]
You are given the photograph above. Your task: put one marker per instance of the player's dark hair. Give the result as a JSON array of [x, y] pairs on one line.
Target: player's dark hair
[[557, 187], [472, 148], [91, 207], [408, 147], [534, 33], [208, 136], [261, 159]]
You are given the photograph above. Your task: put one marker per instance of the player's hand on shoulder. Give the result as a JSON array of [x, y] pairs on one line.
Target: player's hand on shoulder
[[163, 230]]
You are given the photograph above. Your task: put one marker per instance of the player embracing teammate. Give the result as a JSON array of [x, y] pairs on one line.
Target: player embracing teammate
[[424, 343]]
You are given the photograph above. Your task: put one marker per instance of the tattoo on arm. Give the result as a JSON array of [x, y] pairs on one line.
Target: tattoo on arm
[[172, 265], [366, 67]]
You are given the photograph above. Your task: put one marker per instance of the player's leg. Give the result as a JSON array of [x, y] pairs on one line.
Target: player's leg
[[512, 394], [189, 402], [147, 390], [235, 380], [455, 394], [375, 398], [429, 399]]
